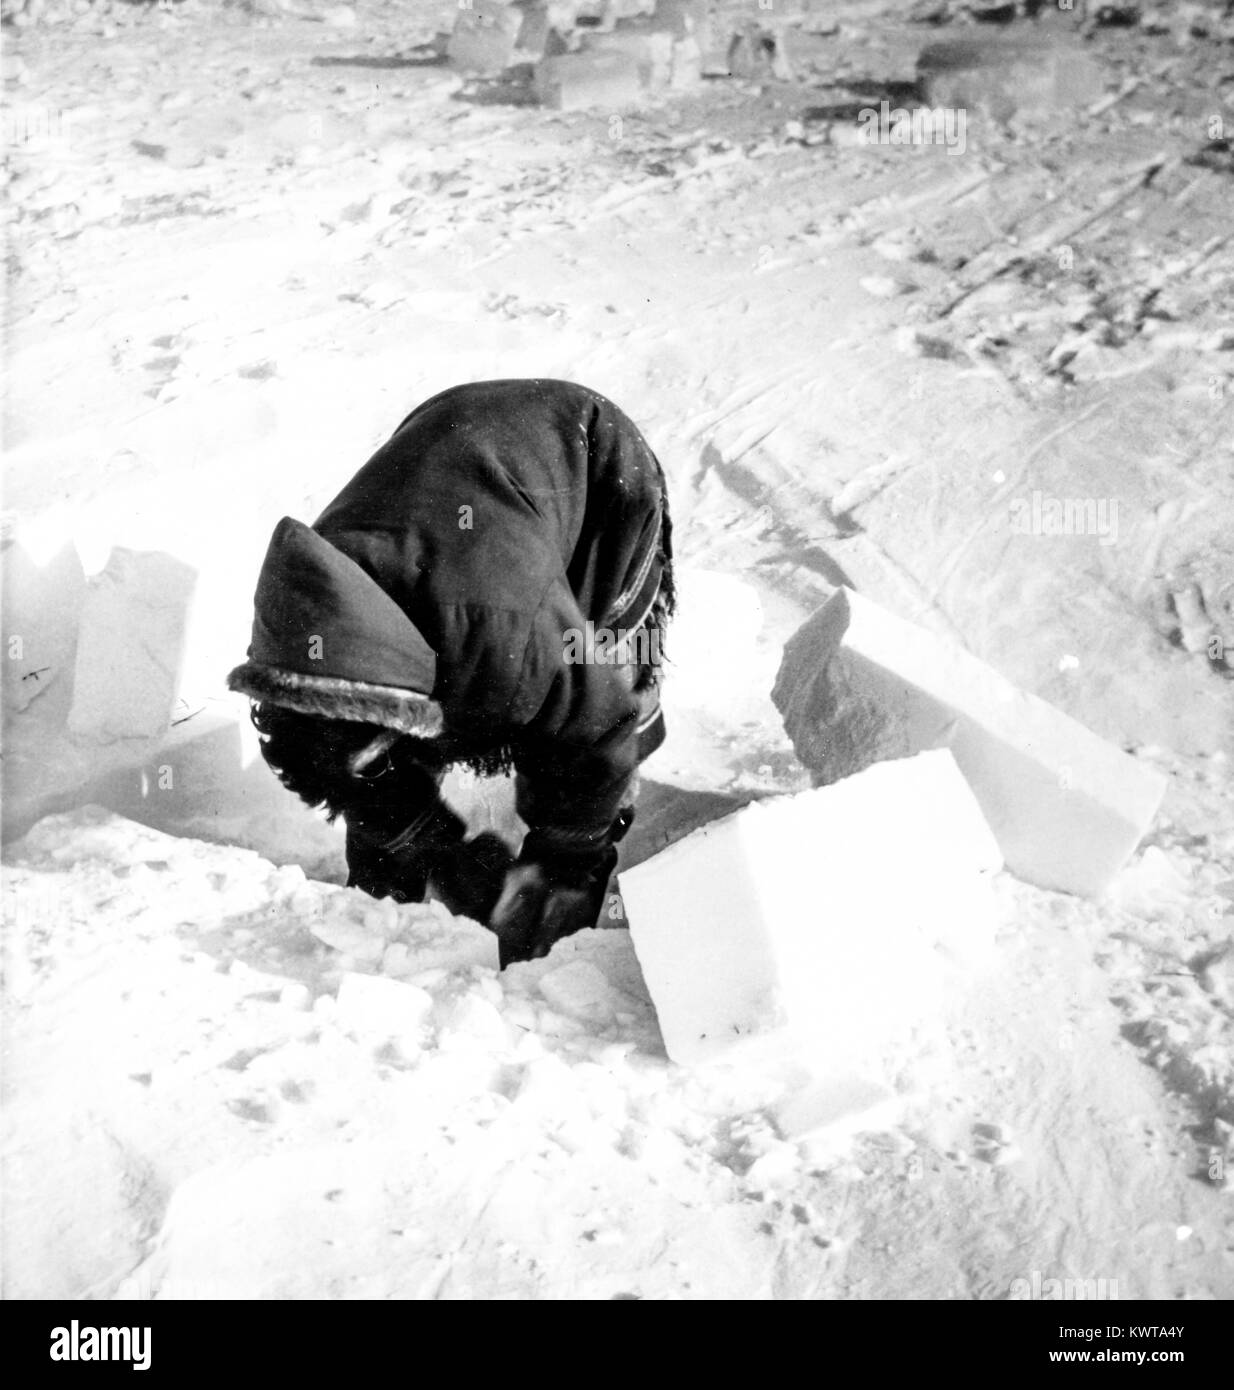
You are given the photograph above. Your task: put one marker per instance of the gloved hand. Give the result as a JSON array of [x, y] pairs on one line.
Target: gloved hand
[[468, 877], [553, 891]]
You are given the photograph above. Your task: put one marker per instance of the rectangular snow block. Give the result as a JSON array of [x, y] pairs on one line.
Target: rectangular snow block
[[130, 646], [536, 35], [1001, 76], [484, 37], [857, 685], [825, 918], [686, 19], [698, 45], [652, 50], [42, 602], [751, 55], [579, 81]]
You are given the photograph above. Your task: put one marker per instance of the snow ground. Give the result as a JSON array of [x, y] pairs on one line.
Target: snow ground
[[242, 247], [225, 1080]]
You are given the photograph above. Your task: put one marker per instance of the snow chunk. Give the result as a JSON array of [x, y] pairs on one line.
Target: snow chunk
[[471, 1021], [1152, 887], [352, 938], [396, 960], [129, 646], [858, 684], [581, 991], [41, 605], [296, 996], [439, 941], [819, 914]]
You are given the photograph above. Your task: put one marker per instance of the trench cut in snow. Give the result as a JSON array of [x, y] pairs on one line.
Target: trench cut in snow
[[825, 920]]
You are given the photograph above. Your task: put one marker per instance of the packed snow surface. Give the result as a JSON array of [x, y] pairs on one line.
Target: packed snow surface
[[227, 1080]]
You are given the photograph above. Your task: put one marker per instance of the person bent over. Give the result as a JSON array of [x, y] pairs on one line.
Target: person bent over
[[490, 589]]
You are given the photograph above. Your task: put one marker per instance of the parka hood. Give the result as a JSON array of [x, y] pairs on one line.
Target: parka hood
[[329, 641]]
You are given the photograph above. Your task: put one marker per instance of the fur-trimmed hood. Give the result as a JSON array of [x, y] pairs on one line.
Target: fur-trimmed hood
[[329, 641]]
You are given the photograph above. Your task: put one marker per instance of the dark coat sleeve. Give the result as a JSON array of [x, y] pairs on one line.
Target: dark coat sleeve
[[578, 747]]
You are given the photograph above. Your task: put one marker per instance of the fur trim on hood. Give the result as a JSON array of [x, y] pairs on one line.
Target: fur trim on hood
[[329, 641], [331, 697]]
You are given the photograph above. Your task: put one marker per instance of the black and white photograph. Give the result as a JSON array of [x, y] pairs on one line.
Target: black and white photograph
[[618, 662]]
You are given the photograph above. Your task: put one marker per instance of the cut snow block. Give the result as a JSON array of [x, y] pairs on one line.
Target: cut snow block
[[484, 37], [687, 67], [857, 685], [578, 81], [686, 19], [581, 990], [825, 919], [41, 605], [1002, 77], [130, 645], [651, 50], [754, 54], [689, 23]]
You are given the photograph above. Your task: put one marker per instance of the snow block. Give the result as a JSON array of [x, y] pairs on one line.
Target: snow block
[[1002, 77], [581, 990], [685, 17], [651, 50], [700, 34], [752, 55], [824, 918], [484, 37], [130, 646], [361, 942], [694, 37], [857, 685], [41, 609], [538, 36], [624, 11], [577, 81]]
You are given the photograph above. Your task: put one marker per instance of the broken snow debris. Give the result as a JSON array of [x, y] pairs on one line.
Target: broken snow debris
[[885, 286], [355, 939], [580, 990]]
